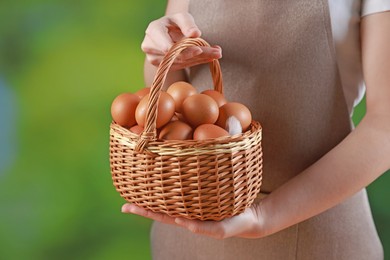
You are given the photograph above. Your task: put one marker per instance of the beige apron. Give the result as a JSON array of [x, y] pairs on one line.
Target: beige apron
[[279, 60]]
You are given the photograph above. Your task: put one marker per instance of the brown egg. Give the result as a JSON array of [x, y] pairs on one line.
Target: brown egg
[[209, 131], [200, 109], [142, 92], [165, 110], [218, 97], [136, 129], [176, 130], [123, 109], [180, 91], [238, 110]]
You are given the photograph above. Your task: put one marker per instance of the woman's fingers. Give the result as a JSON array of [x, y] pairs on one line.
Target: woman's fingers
[[176, 34], [243, 225], [192, 58], [246, 224], [188, 53], [131, 208], [158, 33], [186, 23], [163, 32], [208, 54], [149, 47], [195, 54], [208, 228], [219, 230], [189, 57]]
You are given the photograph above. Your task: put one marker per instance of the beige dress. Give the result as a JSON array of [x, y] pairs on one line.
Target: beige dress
[[279, 60]]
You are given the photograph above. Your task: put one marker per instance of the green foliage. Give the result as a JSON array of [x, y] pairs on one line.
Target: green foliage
[[65, 62]]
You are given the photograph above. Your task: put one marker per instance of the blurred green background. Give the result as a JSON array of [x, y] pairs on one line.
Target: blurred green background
[[61, 65]]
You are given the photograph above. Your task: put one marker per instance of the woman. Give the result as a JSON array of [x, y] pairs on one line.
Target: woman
[[298, 65]]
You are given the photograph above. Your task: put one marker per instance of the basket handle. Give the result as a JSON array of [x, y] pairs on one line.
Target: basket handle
[[149, 132]]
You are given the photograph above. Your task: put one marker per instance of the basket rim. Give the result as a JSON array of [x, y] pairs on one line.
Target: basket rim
[[226, 144]]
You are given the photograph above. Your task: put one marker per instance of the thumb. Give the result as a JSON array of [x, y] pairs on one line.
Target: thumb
[[187, 25]]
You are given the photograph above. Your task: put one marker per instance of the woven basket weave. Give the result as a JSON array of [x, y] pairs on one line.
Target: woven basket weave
[[207, 180]]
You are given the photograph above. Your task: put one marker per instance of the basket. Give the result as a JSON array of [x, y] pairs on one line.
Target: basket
[[206, 180]]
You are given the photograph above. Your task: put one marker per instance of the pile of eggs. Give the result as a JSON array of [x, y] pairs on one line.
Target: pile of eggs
[[182, 113]]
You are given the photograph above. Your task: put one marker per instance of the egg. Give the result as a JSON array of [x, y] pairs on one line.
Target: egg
[[218, 97], [142, 92], [165, 110], [237, 110], [200, 109], [176, 130], [180, 91], [123, 109], [209, 131], [136, 129]]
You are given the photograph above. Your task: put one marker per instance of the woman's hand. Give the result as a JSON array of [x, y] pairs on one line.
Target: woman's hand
[[249, 224], [163, 32]]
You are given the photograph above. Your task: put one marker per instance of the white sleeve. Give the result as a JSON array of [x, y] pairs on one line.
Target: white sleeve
[[375, 6]]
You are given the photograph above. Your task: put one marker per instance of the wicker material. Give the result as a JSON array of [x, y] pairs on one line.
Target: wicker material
[[206, 180]]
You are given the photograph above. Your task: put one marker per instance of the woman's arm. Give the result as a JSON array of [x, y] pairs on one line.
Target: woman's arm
[[162, 33], [357, 161]]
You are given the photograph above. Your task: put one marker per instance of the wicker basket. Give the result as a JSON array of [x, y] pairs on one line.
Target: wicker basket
[[207, 180]]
